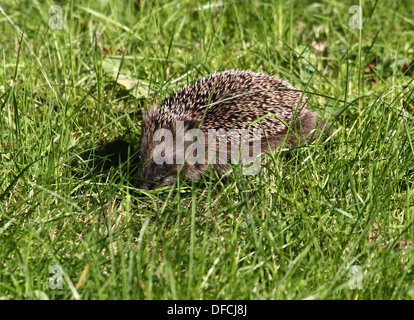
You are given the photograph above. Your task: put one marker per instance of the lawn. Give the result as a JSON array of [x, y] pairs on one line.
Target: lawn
[[331, 220]]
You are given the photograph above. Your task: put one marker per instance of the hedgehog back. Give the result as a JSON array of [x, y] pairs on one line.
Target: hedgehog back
[[232, 100]]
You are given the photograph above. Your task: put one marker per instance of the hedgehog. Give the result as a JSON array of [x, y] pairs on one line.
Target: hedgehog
[[226, 103]]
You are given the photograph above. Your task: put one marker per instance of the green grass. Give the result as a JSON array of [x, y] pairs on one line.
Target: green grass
[[291, 232]]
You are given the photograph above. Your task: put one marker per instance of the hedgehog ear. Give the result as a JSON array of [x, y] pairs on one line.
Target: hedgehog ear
[[190, 124]]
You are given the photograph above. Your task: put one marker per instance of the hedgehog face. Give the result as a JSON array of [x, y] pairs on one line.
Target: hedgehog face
[[162, 167], [156, 175], [158, 170], [162, 149]]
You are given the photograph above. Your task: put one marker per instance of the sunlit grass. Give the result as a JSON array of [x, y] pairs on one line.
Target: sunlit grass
[[291, 232]]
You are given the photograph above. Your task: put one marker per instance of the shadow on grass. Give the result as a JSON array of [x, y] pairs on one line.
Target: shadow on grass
[[116, 160]]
